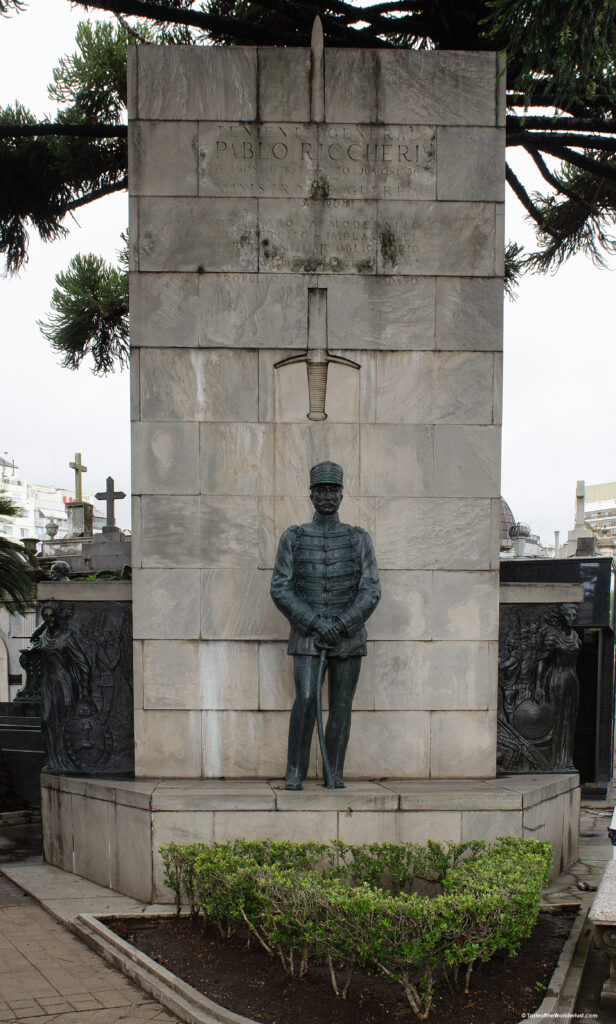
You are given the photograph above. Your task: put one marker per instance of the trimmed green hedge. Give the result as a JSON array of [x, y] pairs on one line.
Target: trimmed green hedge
[[358, 906]]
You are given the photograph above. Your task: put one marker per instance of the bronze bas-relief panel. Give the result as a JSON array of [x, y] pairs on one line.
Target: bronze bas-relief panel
[[85, 653], [538, 687]]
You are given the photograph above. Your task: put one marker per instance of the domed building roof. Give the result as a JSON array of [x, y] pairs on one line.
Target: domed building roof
[[507, 520]]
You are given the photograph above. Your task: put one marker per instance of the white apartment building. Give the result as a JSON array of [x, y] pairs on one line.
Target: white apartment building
[[39, 503], [600, 508]]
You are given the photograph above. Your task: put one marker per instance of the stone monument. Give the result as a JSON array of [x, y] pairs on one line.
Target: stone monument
[[348, 203], [304, 204]]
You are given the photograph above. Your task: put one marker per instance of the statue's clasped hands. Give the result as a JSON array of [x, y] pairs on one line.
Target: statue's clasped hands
[[327, 632]]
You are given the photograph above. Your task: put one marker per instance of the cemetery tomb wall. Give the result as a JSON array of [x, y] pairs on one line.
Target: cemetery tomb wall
[[239, 206]]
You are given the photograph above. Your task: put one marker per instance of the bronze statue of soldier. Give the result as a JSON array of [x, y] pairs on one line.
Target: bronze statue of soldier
[[326, 583]]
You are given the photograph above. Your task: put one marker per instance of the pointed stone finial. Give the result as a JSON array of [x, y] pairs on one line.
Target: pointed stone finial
[[317, 78]]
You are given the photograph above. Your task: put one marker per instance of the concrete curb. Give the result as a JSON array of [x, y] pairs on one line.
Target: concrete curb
[[193, 1008], [566, 979], [175, 995]]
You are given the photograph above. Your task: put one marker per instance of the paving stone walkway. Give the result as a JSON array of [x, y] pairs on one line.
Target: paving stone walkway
[[594, 852], [48, 976]]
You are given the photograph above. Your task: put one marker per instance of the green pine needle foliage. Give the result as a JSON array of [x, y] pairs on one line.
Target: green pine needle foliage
[[514, 268], [31, 189], [42, 178], [91, 82], [16, 579], [568, 45], [581, 222], [89, 314]]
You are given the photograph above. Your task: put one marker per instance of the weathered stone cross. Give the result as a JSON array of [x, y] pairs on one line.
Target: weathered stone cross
[[110, 497], [80, 469]]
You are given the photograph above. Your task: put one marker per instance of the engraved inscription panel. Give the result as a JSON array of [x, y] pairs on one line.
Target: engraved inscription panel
[[436, 238], [377, 161], [333, 236], [318, 161], [257, 160], [198, 235]]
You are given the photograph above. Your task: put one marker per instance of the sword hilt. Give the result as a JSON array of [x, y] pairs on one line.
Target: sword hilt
[[317, 361]]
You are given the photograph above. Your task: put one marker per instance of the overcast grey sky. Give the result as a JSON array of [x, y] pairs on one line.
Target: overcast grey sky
[[560, 357]]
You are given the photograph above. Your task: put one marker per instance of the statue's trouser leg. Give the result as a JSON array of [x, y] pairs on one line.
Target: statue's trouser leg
[[303, 714], [343, 675]]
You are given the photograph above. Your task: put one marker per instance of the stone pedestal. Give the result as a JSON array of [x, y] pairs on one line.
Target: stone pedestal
[[136, 817], [80, 519]]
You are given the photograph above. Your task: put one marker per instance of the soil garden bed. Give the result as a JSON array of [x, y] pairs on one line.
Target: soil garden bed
[[246, 980]]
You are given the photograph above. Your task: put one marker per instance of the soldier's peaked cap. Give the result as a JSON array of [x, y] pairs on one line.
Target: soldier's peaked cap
[[326, 473]]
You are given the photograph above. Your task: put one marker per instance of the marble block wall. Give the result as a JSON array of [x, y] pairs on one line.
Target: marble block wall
[[240, 206]]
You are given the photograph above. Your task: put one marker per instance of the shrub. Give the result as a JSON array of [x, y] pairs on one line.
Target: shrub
[[351, 906]]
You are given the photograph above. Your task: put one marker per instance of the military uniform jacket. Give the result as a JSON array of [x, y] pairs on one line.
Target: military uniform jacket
[[326, 568]]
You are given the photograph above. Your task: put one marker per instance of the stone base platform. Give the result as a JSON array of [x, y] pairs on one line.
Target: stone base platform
[[110, 831]]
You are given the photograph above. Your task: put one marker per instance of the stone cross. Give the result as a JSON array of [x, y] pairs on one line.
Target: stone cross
[[580, 495], [80, 469], [110, 497]]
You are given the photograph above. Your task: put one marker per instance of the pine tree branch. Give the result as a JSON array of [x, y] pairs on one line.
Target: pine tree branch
[[105, 190], [130, 30], [550, 99], [248, 33], [372, 15], [585, 163], [408, 6], [442, 14], [562, 124], [411, 25], [514, 182], [540, 140], [331, 26], [553, 180], [84, 131], [350, 14]]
